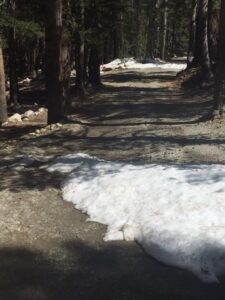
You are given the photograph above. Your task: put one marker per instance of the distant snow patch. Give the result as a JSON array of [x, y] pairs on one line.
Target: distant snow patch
[[175, 211], [131, 63]]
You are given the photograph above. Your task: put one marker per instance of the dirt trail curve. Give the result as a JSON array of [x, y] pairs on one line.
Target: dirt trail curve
[[48, 251]]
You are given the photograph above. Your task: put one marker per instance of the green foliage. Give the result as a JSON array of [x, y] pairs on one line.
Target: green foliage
[[25, 21], [125, 27]]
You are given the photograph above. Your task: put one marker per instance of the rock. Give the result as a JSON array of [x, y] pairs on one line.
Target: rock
[[53, 126], [38, 131], [32, 133], [106, 69], [15, 118], [42, 109], [216, 115], [25, 119], [216, 112], [26, 81], [43, 130], [28, 113], [73, 73], [19, 168]]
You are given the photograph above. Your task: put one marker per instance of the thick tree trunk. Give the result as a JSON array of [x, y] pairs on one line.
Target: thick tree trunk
[[220, 72], [56, 81], [3, 105]]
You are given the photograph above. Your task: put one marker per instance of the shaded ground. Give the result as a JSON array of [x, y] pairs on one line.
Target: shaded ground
[[48, 251]]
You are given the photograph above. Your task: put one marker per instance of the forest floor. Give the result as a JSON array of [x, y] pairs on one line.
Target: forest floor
[[48, 251]]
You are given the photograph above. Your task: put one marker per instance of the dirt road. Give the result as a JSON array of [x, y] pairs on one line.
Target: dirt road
[[48, 251]]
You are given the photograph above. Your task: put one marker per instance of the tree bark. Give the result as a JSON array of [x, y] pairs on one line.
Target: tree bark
[[3, 104], [94, 67], [220, 70], [192, 37], [213, 33], [56, 78], [150, 40], [14, 90], [79, 64], [66, 71], [203, 40], [165, 29]]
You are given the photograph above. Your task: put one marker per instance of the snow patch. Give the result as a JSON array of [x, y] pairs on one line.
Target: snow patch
[[131, 63], [175, 211]]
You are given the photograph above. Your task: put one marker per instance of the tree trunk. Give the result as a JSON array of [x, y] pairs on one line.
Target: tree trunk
[[79, 64], [55, 62], [14, 91], [86, 57], [137, 45], [94, 67], [192, 37], [165, 29], [79, 48], [213, 31], [210, 13], [115, 44], [220, 72], [150, 40], [203, 39], [121, 43], [3, 105], [38, 63], [66, 71]]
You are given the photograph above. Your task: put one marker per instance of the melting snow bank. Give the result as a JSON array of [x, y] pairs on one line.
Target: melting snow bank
[[131, 63], [175, 211]]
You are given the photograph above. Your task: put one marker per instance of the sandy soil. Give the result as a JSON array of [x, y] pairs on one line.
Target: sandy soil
[[48, 250]]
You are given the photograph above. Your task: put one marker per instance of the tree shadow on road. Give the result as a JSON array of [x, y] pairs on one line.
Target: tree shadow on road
[[111, 272]]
